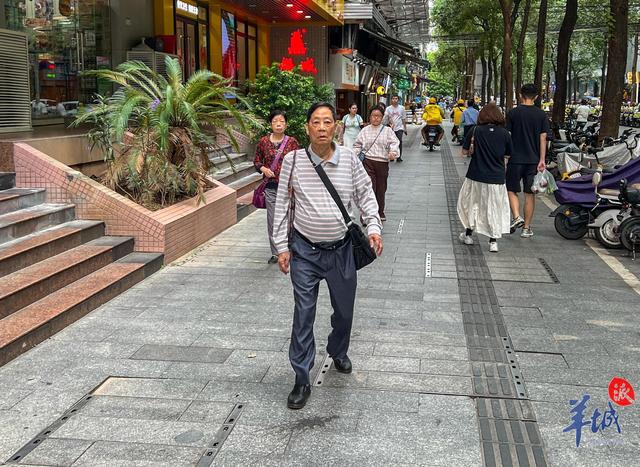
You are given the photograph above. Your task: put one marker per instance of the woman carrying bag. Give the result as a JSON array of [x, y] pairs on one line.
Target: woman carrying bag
[[352, 124], [270, 152], [483, 204], [376, 145]]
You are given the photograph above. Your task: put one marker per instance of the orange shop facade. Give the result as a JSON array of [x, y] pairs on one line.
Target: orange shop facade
[[235, 39]]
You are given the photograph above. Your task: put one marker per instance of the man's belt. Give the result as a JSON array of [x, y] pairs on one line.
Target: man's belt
[[323, 245]]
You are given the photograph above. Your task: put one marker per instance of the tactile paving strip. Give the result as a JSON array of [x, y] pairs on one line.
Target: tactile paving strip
[[508, 429]]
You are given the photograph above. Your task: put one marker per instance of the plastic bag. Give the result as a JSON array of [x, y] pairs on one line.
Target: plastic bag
[[544, 182]]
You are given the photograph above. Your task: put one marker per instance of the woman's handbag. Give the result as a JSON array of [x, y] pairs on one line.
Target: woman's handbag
[[363, 254], [472, 144], [363, 154], [259, 200]]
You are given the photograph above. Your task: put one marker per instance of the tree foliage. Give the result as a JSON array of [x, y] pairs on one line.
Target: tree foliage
[[291, 91], [156, 132]]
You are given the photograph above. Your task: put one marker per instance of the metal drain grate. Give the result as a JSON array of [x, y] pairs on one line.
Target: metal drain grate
[[427, 265], [223, 433], [322, 372], [508, 430], [552, 274]]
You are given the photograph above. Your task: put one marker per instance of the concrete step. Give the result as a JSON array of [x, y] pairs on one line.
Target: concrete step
[[27, 221], [244, 205], [31, 249], [222, 162], [33, 324], [246, 184], [7, 180], [231, 174], [14, 199], [30, 284]]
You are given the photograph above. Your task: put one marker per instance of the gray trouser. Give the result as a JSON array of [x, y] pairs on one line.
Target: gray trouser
[[270, 198], [310, 265]]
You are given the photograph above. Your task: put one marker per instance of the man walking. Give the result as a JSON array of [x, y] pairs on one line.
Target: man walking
[[317, 246], [396, 117], [528, 126]]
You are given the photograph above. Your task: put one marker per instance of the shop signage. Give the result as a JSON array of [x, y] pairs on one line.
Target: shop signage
[[349, 72], [187, 7], [297, 48]]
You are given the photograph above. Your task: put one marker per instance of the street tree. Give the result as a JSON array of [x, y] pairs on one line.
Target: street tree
[[616, 67], [540, 40], [564, 41]]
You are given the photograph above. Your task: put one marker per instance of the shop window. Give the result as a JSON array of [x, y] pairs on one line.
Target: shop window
[[65, 38], [239, 49]]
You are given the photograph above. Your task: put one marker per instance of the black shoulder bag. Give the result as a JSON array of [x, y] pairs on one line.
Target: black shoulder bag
[[363, 254]]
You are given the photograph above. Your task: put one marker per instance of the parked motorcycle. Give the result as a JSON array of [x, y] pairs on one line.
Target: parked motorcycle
[[630, 227]]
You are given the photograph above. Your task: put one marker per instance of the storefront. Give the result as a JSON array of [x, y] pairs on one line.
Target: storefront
[[192, 36], [66, 37], [239, 48]]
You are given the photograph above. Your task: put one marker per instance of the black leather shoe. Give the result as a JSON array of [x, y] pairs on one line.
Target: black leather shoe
[[298, 396], [343, 365], [273, 260]]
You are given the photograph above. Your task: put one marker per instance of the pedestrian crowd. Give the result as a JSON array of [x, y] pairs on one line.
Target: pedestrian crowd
[[310, 192]]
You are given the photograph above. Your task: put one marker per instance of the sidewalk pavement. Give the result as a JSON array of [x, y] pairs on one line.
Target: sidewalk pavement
[[159, 370]]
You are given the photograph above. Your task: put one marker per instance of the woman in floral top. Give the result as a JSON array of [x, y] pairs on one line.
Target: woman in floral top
[[274, 145]]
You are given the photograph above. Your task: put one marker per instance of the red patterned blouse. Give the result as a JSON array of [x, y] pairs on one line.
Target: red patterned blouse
[[266, 153]]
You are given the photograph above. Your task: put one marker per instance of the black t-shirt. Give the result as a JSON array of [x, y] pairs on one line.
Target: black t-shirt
[[491, 144], [526, 123]]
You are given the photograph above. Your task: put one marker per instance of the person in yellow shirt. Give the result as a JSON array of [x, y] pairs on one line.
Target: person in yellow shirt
[[456, 118], [432, 116]]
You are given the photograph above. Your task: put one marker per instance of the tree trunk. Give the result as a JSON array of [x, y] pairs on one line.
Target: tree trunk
[[520, 50], [634, 71], [542, 29], [570, 76], [483, 86], [507, 67], [502, 86], [603, 76], [489, 76], [495, 77], [616, 67], [564, 38]]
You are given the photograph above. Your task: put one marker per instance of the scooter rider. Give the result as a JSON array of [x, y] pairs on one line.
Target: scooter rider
[[432, 116], [456, 118]]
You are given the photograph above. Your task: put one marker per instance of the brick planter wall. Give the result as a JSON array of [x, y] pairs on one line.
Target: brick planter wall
[[173, 231]]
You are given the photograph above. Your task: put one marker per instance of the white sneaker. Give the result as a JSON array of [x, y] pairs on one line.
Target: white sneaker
[[493, 247], [467, 240], [526, 233]]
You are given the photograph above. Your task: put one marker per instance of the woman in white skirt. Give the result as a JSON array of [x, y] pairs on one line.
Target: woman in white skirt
[[483, 204]]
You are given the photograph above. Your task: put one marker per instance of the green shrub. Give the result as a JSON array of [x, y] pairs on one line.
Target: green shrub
[[156, 132], [291, 91]]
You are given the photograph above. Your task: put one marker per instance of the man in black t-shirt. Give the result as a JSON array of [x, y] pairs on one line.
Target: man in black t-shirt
[[528, 125]]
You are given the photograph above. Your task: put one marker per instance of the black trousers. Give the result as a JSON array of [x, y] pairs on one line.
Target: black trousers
[[310, 265], [400, 134]]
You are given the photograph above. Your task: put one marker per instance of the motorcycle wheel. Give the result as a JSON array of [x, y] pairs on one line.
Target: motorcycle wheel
[[430, 147], [608, 235], [631, 227], [568, 231]]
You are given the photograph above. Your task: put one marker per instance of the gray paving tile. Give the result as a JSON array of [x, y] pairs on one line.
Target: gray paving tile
[[153, 388], [214, 413], [129, 454], [216, 371], [181, 353], [140, 408], [432, 352], [58, 452]]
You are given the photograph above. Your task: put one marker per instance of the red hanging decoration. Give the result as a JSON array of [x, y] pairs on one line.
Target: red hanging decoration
[[296, 44], [309, 66], [287, 64]]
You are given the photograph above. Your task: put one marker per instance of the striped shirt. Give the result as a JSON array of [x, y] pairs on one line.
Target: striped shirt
[[316, 215], [387, 142]]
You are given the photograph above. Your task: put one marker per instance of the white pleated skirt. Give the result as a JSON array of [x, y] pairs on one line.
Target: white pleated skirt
[[484, 207]]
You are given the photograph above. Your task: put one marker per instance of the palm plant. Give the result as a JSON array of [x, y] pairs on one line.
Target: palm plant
[[156, 132]]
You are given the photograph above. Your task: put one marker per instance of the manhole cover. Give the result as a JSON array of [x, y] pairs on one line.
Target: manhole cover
[[515, 269]]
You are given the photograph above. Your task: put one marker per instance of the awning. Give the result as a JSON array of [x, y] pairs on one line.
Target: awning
[[397, 47]]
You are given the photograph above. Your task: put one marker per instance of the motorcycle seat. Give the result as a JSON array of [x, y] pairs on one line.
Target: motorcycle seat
[[610, 192]]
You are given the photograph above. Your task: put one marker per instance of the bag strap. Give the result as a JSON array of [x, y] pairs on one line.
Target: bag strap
[[274, 164], [331, 189]]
